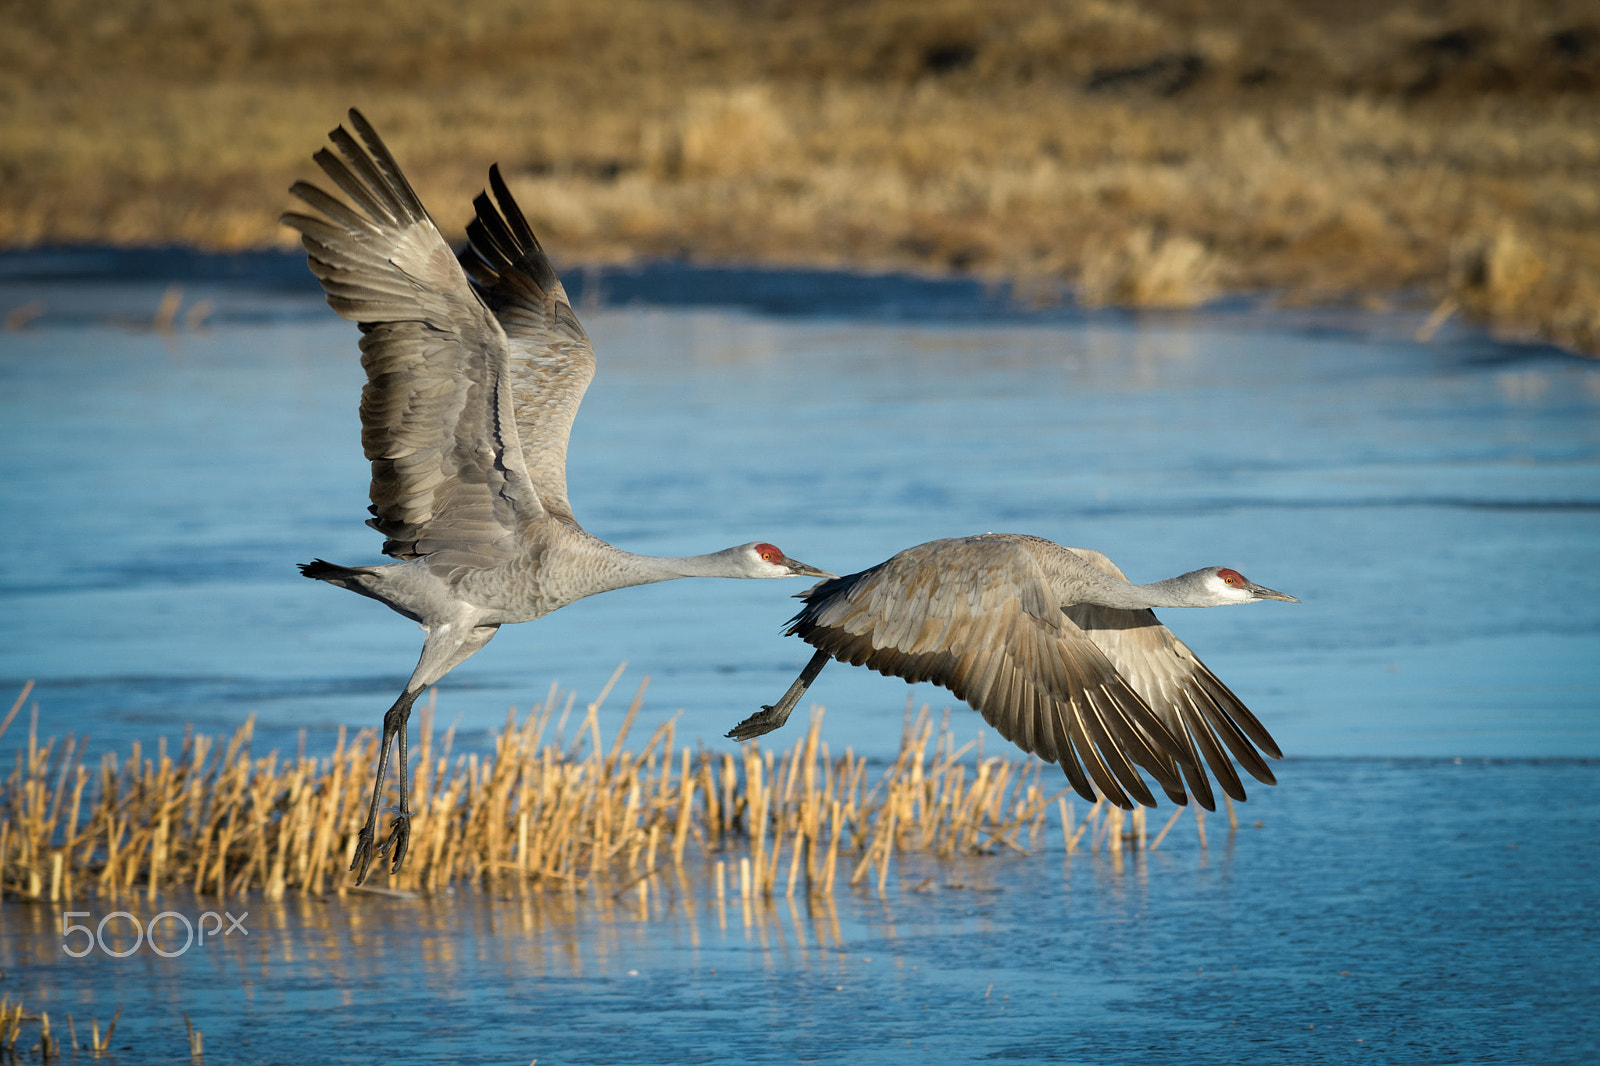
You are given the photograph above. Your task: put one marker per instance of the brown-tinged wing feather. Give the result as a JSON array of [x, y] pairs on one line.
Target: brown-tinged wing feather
[[1181, 690], [977, 616], [551, 360], [448, 479]]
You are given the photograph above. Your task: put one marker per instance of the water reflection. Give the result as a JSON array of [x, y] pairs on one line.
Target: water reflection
[[358, 936]]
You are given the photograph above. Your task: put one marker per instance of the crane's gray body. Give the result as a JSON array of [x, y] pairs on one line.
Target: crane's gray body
[[1057, 650], [475, 370], [554, 565]]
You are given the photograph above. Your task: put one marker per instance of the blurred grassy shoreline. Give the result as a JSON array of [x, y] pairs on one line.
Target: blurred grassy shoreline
[[1150, 154]]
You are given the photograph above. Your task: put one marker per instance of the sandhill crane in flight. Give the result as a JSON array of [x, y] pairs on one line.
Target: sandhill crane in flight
[[1056, 649], [475, 370]]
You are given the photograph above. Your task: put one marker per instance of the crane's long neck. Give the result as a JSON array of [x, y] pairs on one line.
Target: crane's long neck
[[1106, 591], [646, 569], [614, 568]]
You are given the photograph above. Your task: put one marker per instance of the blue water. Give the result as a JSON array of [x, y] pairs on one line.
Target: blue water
[[1436, 507], [1388, 911]]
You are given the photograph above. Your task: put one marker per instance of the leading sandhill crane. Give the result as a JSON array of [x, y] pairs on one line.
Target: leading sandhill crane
[[474, 373], [1056, 649]]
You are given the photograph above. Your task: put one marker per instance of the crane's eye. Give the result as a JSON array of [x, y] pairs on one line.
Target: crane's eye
[[1232, 577], [769, 552]]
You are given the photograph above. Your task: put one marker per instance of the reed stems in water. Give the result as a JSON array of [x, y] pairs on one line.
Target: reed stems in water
[[538, 811]]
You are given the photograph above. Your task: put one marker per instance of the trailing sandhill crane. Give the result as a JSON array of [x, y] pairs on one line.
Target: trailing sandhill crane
[[475, 370], [1056, 649]]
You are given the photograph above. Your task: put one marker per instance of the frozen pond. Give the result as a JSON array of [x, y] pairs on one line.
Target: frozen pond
[[1436, 507]]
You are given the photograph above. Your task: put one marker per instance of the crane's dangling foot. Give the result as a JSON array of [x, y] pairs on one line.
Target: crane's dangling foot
[[765, 720], [399, 839], [363, 857], [395, 845], [769, 718]]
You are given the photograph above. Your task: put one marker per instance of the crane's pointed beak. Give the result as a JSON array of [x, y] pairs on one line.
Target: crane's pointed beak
[[799, 569], [1264, 593]]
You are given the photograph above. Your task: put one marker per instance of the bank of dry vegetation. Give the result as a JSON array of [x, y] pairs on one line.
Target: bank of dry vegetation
[[553, 808], [1150, 153]]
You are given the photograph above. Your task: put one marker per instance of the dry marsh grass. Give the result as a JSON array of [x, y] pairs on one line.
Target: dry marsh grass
[[553, 808], [49, 1046], [1152, 153]]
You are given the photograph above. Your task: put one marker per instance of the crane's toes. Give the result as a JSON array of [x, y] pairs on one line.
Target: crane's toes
[[364, 853], [763, 721], [398, 843]]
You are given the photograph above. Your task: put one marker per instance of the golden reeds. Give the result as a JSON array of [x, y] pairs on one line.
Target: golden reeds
[[49, 1047], [12, 1016], [99, 1043], [541, 810]]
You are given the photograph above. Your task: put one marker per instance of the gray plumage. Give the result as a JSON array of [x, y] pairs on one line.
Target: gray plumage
[[1057, 650], [475, 370]]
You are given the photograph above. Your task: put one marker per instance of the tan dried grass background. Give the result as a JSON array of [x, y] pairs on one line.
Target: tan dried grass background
[[1153, 153]]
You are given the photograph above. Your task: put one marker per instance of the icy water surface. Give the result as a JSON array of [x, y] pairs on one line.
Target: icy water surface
[[1437, 508], [1390, 911], [1420, 886]]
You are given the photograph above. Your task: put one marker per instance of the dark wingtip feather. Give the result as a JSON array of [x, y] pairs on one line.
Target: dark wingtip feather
[[508, 206], [1200, 788], [396, 179], [489, 235], [503, 256]]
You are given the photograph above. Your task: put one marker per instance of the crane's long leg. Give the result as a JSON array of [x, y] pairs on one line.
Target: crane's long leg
[[441, 653], [394, 721], [769, 718]]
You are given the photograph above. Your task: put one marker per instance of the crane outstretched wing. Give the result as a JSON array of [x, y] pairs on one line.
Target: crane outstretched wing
[[551, 362], [1196, 706], [448, 478], [978, 616]]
